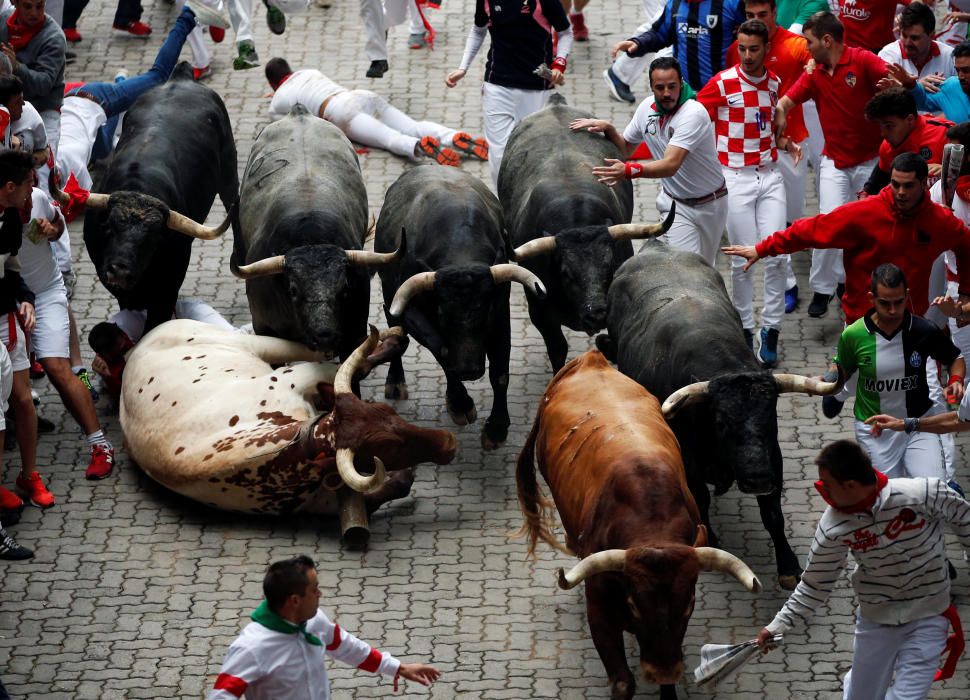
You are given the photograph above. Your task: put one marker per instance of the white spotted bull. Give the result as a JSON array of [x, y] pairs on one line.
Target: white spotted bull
[[205, 414]]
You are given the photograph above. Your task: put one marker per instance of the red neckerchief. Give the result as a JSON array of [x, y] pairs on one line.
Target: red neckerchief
[[20, 35], [863, 506], [963, 188], [280, 83]]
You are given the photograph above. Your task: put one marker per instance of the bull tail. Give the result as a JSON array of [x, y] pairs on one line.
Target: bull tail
[[536, 507]]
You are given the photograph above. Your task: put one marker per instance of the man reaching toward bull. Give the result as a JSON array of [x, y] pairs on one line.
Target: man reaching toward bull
[[366, 117], [280, 654]]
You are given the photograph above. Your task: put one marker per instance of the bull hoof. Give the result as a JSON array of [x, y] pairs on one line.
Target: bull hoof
[[490, 444], [463, 417], [788, 582], [356, 538], [621, 690], [396, 391]]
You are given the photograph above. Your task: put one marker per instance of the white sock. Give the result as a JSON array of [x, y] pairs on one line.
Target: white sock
[[98, 438], [77, 368]]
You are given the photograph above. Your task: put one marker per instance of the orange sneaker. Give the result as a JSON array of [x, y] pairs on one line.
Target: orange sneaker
[[471, 146], [432, 148], [102, 462], [9, 501], [33, 490]]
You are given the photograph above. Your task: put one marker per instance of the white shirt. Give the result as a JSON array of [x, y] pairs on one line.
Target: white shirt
[[955, 33], [80, 121], [307, 87], [689, 128], [941, 59], [38, 266], [268, 665], [30, 129]]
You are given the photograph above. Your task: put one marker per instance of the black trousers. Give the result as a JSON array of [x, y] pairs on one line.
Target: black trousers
[[128, 11]]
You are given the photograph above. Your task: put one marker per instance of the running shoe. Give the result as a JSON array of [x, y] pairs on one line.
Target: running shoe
[[275, 19], [418, 41], [247, 57], [620, 90], [377, 69], [85, 378], [217, 33], [205, 15], [768, 354], [9, 502], [72, 34], [469, 145], [102, 462], [431, 147], [10, 550], [580, 30], [33, 490], [137, 29], [200, 73]]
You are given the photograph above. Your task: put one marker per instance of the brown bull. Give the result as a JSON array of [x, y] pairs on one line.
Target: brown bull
[[614, 469]]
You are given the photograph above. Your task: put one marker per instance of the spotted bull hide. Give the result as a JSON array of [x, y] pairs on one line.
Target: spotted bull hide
[[205, 414]]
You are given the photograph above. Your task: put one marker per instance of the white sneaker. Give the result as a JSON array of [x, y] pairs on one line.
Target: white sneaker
[[206, 16]]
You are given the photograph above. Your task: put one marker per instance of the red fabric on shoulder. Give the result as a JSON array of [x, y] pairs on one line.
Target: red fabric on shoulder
[[372, 662], [336, 639], [231, 684]]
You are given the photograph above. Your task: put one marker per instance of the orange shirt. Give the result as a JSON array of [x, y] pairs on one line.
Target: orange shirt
[[787, 56]]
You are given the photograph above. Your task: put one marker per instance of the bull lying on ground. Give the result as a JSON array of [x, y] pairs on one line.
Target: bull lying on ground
[[615, 473], [673, 328], [205, 414], [175, 154], [450, 290], [569, 229], [303, 220]]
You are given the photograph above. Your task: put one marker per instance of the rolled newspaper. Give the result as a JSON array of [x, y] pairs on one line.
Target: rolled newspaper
[[720, 661], [952, 163]]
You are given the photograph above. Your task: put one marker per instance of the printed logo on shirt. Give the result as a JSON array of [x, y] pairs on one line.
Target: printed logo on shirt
[[925, 153], [652, 125], [691, 32], [735, 100], [862, 541], [897, 384], [850, 79], [670, 132], [915, 360], [903, 522], [712, 21]]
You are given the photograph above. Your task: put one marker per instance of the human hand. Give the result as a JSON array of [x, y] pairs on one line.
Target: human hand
[[748, 252], [26, 315], [453, 77], [419, 673], [948, 306], [781, 122], [100, 366], [49, 230], [11, 55], [625, 46], [953, 392], [764, 640], [883, 422], [954, 17], [610, 174], [794, 150], [934, 169], [931, 83], [557, 78], [899, 74], [810, 66], [597, 126]]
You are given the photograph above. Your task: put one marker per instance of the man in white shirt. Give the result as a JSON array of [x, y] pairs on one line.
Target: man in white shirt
[[280, 654], [894, 529], [677, 130], [916, 51], [366, 117]]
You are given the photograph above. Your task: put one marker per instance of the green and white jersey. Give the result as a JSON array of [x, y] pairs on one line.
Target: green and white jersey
[[892, 369]]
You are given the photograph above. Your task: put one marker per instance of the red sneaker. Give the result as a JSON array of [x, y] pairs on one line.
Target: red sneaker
[[9, 500], [33, 490], [139, 29], [469, 145], [72, 35], [102, 462], [432, 148], [580, 30], [36, 368], [217, 33], [200, 73]]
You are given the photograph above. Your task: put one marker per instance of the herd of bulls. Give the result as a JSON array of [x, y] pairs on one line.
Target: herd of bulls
[[268, 423]]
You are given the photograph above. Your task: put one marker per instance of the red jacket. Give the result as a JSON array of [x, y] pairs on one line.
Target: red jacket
[[871, 232]]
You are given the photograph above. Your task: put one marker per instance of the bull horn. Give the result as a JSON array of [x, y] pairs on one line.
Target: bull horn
[[713, 559], [507, 272], [347, 369], [353, 478], [366, 257], [806, 385], [261, 268], [183, 224], [625, 232], [537, 246], [598, 563], [412, 286], [685, 396]]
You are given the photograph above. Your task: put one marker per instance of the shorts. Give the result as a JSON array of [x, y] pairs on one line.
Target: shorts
[[6, 384], [18, 354], [70, 282], [52, 331]]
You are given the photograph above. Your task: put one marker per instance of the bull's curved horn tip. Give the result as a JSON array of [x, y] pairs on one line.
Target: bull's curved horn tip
[[540, 290], [561, 580], [756, 586]]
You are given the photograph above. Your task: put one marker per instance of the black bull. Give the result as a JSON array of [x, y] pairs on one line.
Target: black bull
[[175, 154], [303, 221], [547, 191], [673, 328]]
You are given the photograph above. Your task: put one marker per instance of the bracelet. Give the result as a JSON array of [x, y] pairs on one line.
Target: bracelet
[[633, 170], [910, 425], [954, 378], [559, 64]]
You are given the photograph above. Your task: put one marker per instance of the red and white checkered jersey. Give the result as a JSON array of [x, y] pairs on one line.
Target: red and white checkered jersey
[[743, 112]]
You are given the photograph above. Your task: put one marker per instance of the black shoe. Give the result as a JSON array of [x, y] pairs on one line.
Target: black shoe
[[618, 88], [10, 550], [749, 339], [820, 305], [377, 69], [275, 19], [831, 406]]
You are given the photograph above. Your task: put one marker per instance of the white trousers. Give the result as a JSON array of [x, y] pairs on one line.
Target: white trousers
[[756, 209], [911, 650], [369, 119], [836, 187], [695, 229], [899, 455], [630, 69], [6, 384], [502, 109], [795, 177], [379, 16]]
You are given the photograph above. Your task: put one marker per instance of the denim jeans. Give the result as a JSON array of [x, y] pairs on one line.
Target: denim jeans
[[116, 98]]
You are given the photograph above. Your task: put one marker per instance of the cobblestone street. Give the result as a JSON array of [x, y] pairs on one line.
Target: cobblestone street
[[136, 592]]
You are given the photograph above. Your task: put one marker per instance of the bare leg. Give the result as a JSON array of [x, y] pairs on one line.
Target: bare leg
[[22, 404], [76, 397]]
